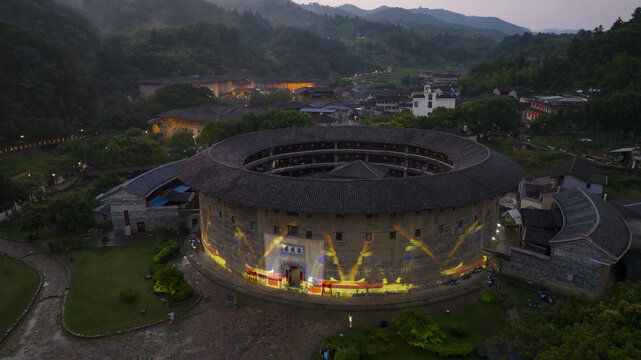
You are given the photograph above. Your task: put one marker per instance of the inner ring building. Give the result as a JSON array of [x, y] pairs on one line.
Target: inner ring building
[[348, 210]]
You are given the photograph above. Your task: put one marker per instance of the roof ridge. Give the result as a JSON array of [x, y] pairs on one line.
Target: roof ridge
[[596, 211]]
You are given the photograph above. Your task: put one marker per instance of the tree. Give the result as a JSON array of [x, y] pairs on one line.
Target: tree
[[71, 210], [9, 193], [606, 327], [178, 96], [29, 186], [132, 148], [215, 131], [182, 143], [31, 216], [105, 182]]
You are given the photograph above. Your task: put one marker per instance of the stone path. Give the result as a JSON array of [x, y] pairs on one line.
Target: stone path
[[257, 329]]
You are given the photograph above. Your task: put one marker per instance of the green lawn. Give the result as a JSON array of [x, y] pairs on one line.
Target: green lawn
[[15, 164], [97, 277], [603, 142], [19, 283], [532, 161]]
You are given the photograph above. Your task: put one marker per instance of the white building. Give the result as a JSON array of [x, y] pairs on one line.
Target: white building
[[423, 105]]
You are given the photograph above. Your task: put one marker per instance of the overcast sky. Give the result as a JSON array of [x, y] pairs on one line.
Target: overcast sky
[[535, 15]]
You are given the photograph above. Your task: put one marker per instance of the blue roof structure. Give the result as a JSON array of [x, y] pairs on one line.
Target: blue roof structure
[[159, 201], [181, 188]]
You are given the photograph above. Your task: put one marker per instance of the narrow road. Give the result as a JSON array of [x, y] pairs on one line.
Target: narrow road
[[39, 330]]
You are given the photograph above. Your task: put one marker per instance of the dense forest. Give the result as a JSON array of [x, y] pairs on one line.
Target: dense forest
[[609, 61], [79, 64]]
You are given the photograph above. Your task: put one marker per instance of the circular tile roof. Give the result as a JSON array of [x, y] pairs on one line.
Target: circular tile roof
[[476, 173]]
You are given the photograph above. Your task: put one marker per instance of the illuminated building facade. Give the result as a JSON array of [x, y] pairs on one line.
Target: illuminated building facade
[[349, 210], [191, 119]]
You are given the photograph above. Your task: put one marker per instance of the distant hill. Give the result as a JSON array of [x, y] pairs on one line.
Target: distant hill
[[408, 17], [436, 16], [473, 21]]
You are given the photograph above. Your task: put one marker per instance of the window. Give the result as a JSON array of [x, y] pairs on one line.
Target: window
[[417, 233], [587, 186], [292, 230], [429, 104], [415, 103], [369, 237], [392, 235], [339, 236], [291, 213], [252, 225], [430, 97], [308, 235], [276, 230], [440, 228]]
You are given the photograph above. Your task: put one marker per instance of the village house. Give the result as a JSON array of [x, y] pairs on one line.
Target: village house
[[192, 119], [541, 105], [313, 93], [424, 104], [290, 84], [566, 175], [220, 85], [575, 244], [156, 197], [628, 156], [521, 95]]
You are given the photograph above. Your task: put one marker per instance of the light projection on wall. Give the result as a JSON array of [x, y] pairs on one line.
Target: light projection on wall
[[240, 235], [462, 269], [471, 230], [414, 244], [307, 270]]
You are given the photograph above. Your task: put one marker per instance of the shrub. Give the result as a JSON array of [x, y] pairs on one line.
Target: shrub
[[418, 329], [349, 353], [168, 278], [128, 296], [153, 267], [183, 292], [379, 342], [452, 349], [486, 298], [167, 252], [160, 244], [377, 334], [502, 300], [335, 342], [459, 330]]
